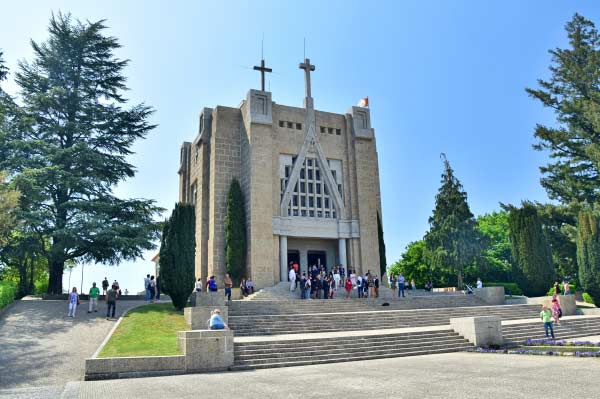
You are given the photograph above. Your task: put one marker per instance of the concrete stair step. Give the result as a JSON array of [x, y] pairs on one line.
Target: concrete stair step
[[345, 349], [352, 357]]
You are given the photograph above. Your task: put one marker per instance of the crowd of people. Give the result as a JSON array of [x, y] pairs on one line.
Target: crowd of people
[[110, 298], [152, 288]]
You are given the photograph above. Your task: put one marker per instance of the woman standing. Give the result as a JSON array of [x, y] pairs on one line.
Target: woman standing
[[556, 311]]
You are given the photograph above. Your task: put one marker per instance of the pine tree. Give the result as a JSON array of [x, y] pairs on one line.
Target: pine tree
[[176, 256], [588, 253], [235, 232], [382, 260], [70, 149], [573, 92], [532, 267], [453, 240]]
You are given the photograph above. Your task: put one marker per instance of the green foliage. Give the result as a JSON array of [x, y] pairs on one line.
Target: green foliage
[[573, 93], [588, 253], [7, 293], [511, 288], [382, 259], [176, 256], [559, 224], [413, 265], [496, 261], [9, 201], [532, 268], [235, 232], [453, 240], [67, 147], [587, 298]]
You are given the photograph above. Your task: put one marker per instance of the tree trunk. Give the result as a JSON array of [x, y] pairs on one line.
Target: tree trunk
[[460, 280], [32, 275], [56, 268]]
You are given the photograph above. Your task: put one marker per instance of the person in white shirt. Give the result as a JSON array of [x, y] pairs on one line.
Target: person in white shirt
[[479, 283], [336, 278], [199, 285], [292, 276]]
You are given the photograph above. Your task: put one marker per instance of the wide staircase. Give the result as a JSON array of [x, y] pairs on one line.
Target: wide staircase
[[281, 320], [273, 328], [284, 353]]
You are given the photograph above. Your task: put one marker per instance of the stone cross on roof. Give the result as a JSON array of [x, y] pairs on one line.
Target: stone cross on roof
[[306, 65], [262, 70]]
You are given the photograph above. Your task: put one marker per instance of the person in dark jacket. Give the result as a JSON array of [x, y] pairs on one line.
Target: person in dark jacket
[[325, 287]]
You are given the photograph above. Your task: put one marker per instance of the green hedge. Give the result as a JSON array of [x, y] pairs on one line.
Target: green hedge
[[587, 298], [7, 293], [513, 288]]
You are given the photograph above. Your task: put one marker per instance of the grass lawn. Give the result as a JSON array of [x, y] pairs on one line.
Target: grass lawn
[[150, 330]]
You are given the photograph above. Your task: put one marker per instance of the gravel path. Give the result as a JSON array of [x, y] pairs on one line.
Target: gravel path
[[41, 349]]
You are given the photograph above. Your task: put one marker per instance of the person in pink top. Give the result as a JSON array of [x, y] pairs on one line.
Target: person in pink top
[[556, 310]]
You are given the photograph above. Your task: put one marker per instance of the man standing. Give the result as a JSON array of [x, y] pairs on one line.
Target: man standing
[[147, 287], [111, 300], [401, 286], [376, 285], [292, 277], [228, 284], [94, 292], [104, 286]]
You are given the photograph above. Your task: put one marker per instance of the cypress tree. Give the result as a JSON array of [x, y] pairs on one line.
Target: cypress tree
[[235, 232], [532, 267], [176, 256], [382, 260], [588, 253], [453, 241]]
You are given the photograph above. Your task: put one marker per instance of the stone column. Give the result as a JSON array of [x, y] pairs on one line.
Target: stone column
[[342, 252], [283, 258], [304, 261]]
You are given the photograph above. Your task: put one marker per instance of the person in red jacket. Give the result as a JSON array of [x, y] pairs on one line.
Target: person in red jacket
[[348, 287]]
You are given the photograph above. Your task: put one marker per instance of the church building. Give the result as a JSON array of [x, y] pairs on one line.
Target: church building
[[310, 181]]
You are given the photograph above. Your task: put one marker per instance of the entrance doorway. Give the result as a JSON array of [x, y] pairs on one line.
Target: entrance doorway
[[318, 258], [293, 256]]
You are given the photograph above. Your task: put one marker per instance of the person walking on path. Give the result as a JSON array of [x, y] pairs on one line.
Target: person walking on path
[[556, 310], [146, 287], [111, 300], [546, 316], [292, 277], [152, 289], [401, 286], [73, 302], [228, 284], [104, 286], [94, 292]]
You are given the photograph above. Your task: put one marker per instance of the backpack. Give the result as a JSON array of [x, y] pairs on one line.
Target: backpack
[[212, 284]]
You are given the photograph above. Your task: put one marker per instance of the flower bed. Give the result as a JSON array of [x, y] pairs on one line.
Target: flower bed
[[556, 342], [537, 352]]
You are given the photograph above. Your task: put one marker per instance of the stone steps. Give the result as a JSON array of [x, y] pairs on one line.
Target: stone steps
[[375, 320], [285, 353], [572, 328]]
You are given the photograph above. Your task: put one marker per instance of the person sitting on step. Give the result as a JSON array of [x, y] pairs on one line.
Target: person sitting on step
[[216, 321]]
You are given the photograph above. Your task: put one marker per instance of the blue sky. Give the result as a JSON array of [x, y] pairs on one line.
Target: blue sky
[[442, 76]]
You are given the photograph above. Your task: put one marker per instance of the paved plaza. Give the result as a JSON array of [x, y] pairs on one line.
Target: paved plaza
[[455, 375], [42, 349]]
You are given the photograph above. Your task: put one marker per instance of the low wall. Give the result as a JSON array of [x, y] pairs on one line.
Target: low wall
[[567, 303], [480, 331], [128, 367], [490, 295], [203, 351], [196, 317]]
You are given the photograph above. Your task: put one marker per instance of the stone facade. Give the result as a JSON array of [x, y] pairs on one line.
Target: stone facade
[[269, 148]]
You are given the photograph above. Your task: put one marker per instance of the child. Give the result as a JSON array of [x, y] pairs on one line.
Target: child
[[73, 302], [556, 310], [546, 316]]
